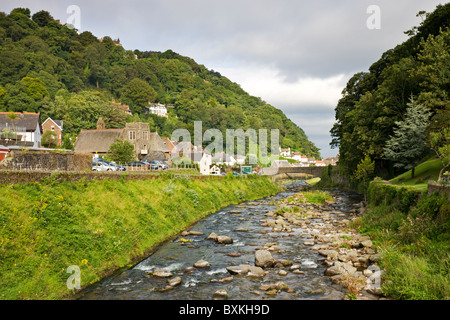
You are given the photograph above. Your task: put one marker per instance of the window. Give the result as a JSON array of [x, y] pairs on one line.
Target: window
[[132, 135], [145, 135], [53, 128]]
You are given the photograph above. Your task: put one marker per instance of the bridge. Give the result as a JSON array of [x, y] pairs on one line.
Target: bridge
[[278, 173]]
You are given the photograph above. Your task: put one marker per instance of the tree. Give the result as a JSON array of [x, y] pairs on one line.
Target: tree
[[407, 146], [440, 144], [140, 93], [49, 139], [121, 151], [364, 171], [13, 116]]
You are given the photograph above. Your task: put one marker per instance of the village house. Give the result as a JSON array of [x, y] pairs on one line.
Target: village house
[[330, 160], [158, 109], [55, 126], [296, 156], [146, 144], [222, 158], [24, 131], [320, 163], [124, 107], [285, 152]]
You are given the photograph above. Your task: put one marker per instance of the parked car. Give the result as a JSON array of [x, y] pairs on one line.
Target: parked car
[[139, 164], [103, 165], [156, 164]]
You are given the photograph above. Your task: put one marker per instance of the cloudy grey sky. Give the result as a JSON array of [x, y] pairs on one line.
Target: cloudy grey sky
[[296, 55]]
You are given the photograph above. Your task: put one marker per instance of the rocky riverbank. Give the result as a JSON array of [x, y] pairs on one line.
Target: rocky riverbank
[[349, 256], [293, 245]]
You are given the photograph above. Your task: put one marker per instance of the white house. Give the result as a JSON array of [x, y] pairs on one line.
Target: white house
[[296, 156], [285, 152], [159, 109], [205, 164], [26, 128], [223, 158], [320, 163]]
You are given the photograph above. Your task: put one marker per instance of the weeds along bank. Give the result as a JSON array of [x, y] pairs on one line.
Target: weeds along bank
[[100, 226], [412, 232]]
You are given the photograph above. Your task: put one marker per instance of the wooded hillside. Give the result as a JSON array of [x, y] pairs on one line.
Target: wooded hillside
[[49, 68]]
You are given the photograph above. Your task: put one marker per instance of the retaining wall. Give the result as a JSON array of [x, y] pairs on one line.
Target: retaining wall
[[440, 188]]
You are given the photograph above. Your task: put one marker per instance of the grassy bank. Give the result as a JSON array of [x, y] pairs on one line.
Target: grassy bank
[[428, 170], [412, 232], [100, 226]]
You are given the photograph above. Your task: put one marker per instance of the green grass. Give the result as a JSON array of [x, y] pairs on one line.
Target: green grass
[[414, 242], [313, 181], [428, 170], [100, 226]]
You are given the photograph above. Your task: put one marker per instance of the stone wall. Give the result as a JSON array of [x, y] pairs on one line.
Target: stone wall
[[48, 160], [20, 176], [440, 188]]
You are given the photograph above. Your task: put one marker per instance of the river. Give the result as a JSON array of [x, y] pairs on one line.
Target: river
[[243, 224]]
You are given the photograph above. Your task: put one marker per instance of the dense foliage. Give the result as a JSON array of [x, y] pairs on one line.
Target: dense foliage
[[49, 68], [373, 102]]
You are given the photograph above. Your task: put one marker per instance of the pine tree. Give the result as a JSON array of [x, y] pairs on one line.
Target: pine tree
[[406, 146]]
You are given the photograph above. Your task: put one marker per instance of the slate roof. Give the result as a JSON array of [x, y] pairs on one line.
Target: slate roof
[[27, 121]]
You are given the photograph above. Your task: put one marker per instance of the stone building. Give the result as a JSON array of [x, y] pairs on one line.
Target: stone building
[[147, 144]]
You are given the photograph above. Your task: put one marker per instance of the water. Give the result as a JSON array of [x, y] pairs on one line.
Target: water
[[241, 223]]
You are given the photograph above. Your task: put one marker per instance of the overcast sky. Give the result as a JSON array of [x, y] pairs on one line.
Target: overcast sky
[[296, 55]]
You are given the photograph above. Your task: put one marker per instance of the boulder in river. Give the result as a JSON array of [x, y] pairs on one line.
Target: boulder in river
[[160, 273], [212, 236], [224, 240], [174, 281], [220, 294], [264, 259], [202, 264]]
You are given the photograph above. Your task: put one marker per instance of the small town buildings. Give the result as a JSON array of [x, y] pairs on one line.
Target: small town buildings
[[158, 109], [204, 164], [320, 163], [296, 156], [148, 145], [331, 160], [222, 158], [280, 163], [285, 152], [55, 126], [24, 131]]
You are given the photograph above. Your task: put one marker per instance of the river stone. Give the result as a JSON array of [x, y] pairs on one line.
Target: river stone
[[255, 272], [220, 294], [264, 259], [159, 273], [340, 268], [240, 270], [174, 282], [367, 244], [201, 264], [224, 240], [282, 272], [212, 236], [330, 254]]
